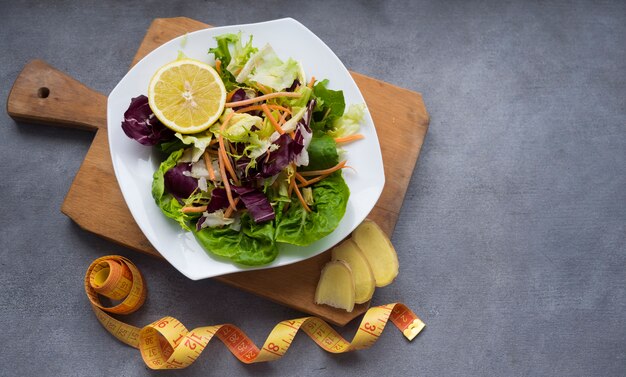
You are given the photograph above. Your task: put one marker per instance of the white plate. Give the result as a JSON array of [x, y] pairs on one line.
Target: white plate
[[134, 163]]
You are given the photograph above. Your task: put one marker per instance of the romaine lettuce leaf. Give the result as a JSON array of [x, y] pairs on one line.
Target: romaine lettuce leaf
[[302, 228], [330, 106], [322, 152], [252, 245]]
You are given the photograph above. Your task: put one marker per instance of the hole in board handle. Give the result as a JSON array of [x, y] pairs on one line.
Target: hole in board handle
[[43, 92]]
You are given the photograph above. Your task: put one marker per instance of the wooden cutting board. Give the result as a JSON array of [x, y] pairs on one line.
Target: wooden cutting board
[[42, 94]]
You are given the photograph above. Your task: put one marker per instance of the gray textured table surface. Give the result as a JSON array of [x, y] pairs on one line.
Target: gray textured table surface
[[512, 237]]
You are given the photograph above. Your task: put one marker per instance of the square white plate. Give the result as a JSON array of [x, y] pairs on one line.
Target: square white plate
[[134, 163]]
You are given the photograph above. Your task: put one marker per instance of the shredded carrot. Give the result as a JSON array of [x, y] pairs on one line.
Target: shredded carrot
[[283, 118], [218, 66], [229, 195], [263, 89], [258, 107], [213, 141], [297, 190], [293, 135], [194, 209], [312, 181], [230, 210], [301, 178], [209, 165], [262, 98], [348, 139], [228, 166], [269, 115], [225, 158], [325, 171], [310, 84], [230, 94]]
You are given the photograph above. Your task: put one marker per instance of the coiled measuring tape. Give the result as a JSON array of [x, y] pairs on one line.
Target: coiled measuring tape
[[167, 344]]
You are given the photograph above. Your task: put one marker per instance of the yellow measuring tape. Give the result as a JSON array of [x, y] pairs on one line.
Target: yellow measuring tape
[[167, 344]]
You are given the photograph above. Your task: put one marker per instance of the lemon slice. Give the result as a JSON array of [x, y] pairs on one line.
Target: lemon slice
[[187, 95]]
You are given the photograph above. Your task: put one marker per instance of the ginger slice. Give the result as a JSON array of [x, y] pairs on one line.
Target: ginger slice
[[336, 286], [378, 251], [364, 282]]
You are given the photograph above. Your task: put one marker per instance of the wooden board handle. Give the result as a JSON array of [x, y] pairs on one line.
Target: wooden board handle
[[43, 94]]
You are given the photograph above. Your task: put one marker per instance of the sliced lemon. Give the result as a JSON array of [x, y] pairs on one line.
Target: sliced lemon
[[187, 95]]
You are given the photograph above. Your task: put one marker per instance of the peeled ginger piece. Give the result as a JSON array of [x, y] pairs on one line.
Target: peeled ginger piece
[[378, 251], [336, 286], [364, 283]]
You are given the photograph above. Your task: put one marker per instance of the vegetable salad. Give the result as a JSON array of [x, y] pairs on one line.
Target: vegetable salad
[[269, 171]]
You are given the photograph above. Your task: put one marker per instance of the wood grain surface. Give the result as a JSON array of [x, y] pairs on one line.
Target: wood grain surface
[[43, 94]]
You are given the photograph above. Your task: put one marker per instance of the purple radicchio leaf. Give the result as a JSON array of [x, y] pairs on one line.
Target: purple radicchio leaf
[[218, 201], [199, 223], [298, 142], [140, 123], [250, 176], [306, 118], [256, 202], [241, 95], [179, 184], [293, 86], [279, 158]]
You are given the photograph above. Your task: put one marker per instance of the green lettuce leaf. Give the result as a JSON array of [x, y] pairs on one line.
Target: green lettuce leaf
[[266, 68], [301, 101], [322, 152], [222, 53], [166, 202], [349, 123], [240, 54], [302, 228], [252, 245], [200, 142], [330, 105], [167, 147]]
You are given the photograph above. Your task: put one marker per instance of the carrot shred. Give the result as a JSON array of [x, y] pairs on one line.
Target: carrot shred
[[194, 209], [325, 171], [301, 178], [299, 195], [311, 82], [314, 180], [258, 107], [269, 115], [209, 165], [282, 119], [348, 139], [229, 195], [262, 98], [222, 151], [263, 89], [229, 211], [218, 66]]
